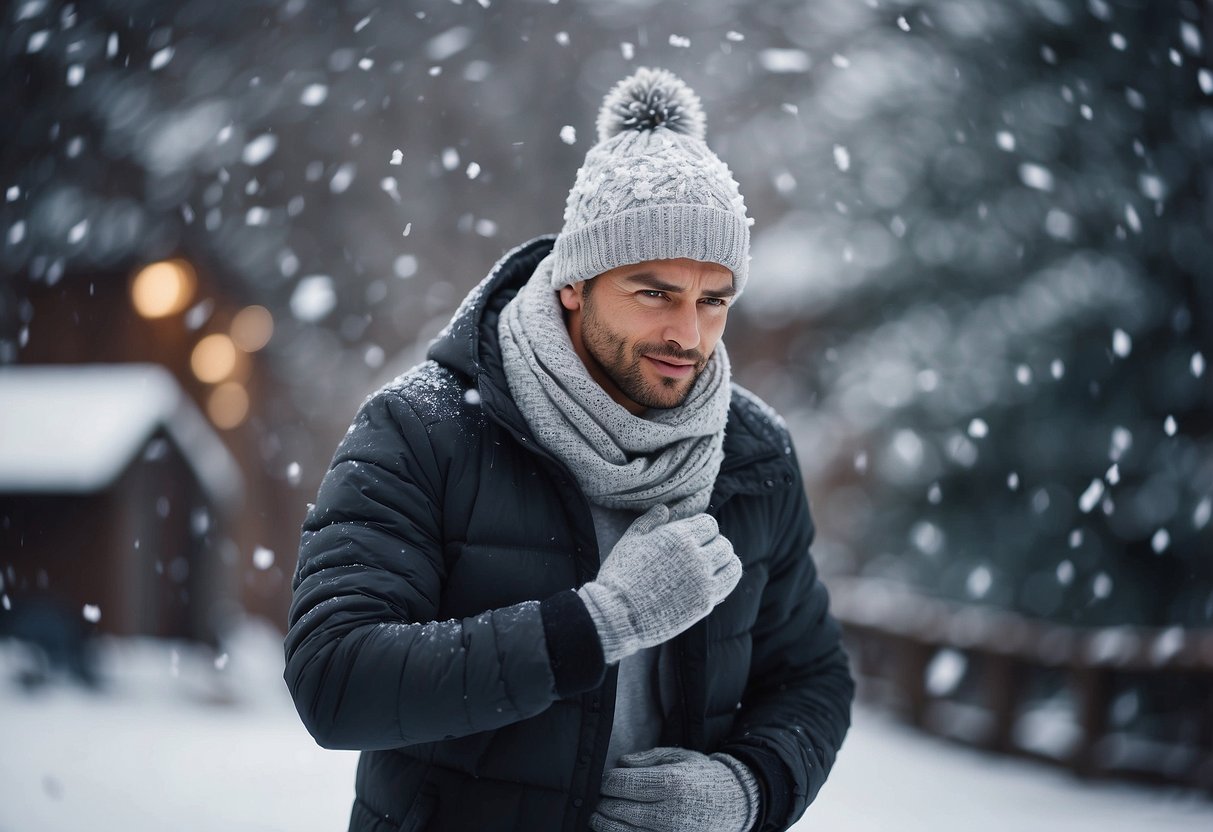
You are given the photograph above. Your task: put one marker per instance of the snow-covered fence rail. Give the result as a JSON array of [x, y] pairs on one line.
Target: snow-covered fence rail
[[1122, 701]]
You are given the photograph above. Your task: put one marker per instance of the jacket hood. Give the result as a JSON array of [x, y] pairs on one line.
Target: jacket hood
[[756, 447], [458, 346]]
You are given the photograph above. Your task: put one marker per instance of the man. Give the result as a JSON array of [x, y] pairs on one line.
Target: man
[[558, 576]]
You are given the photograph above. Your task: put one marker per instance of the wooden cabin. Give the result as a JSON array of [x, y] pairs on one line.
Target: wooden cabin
[[114, 490]]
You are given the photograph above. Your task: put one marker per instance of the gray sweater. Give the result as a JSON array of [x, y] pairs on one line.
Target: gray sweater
[[645, 677]]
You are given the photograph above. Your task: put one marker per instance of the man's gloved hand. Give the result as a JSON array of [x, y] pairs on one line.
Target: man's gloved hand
[[660, 578], [677, 790]]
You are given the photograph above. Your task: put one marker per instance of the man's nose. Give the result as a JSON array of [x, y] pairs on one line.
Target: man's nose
[[682, 326]]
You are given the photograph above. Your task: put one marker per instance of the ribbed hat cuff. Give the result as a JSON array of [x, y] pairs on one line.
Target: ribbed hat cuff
[[658, 232]]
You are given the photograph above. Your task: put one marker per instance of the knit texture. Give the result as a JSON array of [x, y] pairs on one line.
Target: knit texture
[[651, 188], [668, 456], [660, 578], [677, 790]]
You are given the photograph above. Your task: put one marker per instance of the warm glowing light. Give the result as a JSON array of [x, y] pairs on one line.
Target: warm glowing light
[[162, 289], [228, 405], [214, 358], [252, 328]]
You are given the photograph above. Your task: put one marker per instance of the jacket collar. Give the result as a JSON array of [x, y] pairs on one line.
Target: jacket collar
[[755, 459]]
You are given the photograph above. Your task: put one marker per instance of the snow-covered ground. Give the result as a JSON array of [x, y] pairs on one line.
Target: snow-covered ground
[[183, 741]]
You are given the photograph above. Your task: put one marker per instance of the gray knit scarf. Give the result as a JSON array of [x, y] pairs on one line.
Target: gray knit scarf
[[668, 456]]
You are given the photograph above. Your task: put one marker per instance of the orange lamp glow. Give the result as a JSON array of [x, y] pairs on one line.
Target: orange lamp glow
[[228, 405], [214, 358], [163, 288]]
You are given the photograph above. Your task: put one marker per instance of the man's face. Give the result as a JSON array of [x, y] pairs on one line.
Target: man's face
[[646, 331]]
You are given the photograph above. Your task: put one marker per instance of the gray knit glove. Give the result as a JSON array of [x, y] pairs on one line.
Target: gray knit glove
[[660, 578], [677, 790]]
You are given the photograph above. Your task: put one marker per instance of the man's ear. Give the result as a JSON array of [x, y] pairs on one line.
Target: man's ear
[[570, 296]]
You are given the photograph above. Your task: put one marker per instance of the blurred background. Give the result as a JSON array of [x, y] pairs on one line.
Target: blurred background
[[982, 300]]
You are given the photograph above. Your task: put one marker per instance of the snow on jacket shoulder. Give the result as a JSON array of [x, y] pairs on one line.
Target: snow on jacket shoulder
[[434, 623]]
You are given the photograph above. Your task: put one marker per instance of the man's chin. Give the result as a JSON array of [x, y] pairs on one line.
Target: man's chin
[[663, 395]]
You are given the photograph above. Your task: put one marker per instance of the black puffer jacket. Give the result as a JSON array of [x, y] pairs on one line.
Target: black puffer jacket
[[434, 623]]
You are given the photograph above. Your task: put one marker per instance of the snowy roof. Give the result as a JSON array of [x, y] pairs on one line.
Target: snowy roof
[[76, 428]]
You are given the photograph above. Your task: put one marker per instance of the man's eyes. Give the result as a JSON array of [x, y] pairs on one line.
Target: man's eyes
[[657, 294]]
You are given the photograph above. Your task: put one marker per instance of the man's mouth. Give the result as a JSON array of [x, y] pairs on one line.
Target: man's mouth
[[674, 369]]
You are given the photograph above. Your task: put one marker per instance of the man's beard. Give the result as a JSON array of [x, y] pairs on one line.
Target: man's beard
[[610, 352]]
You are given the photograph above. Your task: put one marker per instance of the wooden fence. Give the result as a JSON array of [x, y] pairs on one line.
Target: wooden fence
[[1017, 685]]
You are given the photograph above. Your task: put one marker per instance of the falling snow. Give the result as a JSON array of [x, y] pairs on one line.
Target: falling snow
[[77, 232], [784, 60], [842, 158], [1202, 513], [263, 558], [1160, 541], [1065, 573], [1122, 441], [259, 149], [343, 177], [1091, 497], [390, 187], [161, 58], [1036, 176], [1191, 38], [405, 266], [1132, 219], [314, 95], [1122, 344], [313, 298], [979, 582]]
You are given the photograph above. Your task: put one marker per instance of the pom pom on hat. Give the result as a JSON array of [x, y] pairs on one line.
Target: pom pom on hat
[[648, 99]]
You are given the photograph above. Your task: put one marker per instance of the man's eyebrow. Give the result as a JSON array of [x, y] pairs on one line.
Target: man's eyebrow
[[652, 281]]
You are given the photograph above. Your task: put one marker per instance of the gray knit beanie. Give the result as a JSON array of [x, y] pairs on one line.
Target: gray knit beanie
[[651, 189]]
